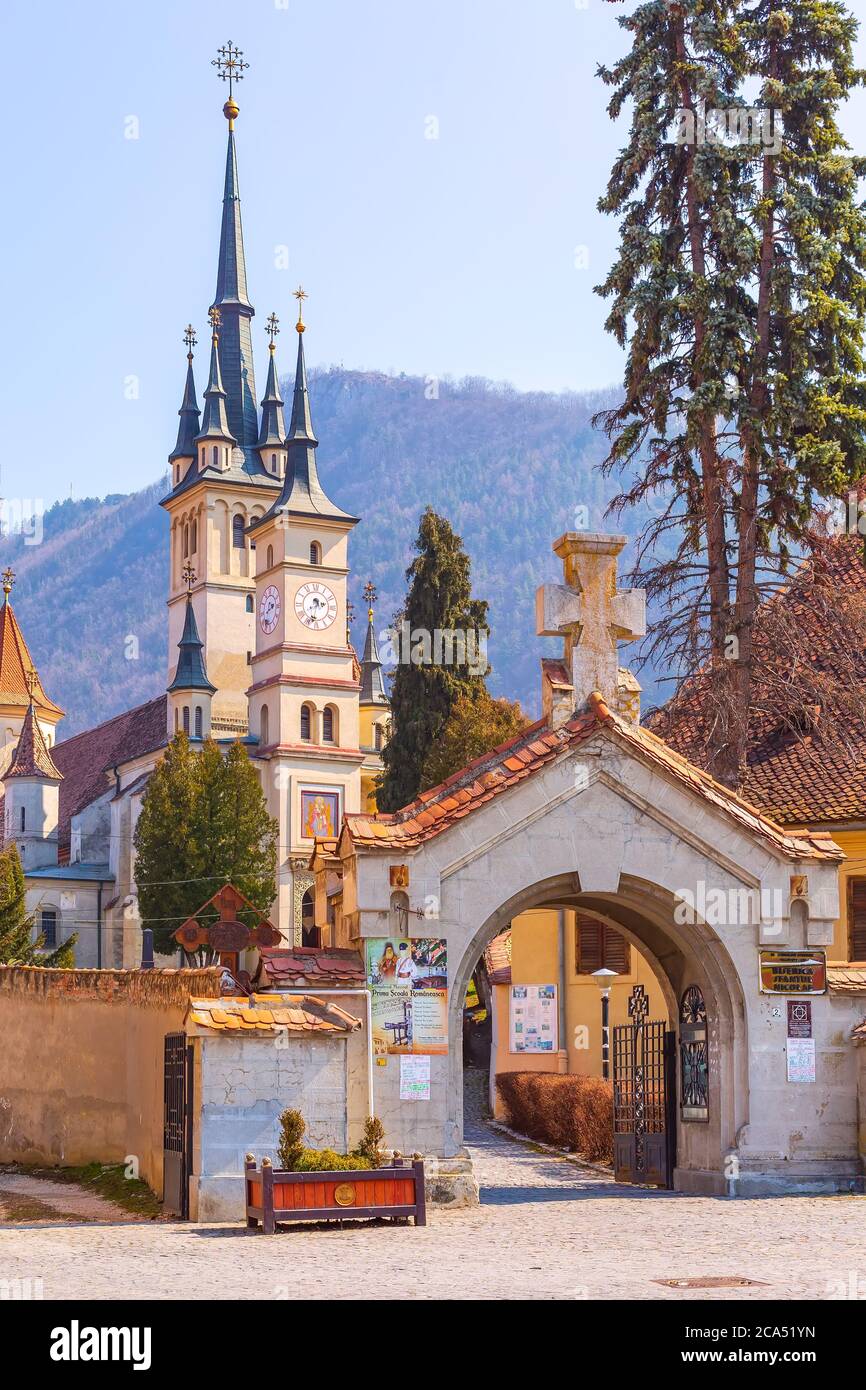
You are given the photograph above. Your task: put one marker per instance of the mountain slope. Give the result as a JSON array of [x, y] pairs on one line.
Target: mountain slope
[[509, 469]]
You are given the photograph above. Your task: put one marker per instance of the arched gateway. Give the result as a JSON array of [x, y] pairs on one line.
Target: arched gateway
[[588, 810]]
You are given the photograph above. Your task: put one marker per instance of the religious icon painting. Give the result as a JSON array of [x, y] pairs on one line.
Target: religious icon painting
[[320, 813]]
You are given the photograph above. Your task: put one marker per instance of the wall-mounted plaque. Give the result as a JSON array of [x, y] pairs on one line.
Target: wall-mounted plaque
[[793, 972]]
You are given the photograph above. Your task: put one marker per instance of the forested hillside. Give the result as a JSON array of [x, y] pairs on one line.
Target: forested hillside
[[509, 469]]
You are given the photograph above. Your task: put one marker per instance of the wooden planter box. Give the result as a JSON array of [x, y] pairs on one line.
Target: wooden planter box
[[274, 1195]]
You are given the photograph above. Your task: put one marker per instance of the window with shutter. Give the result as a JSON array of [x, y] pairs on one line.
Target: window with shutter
[[599, 947], [857, 919]]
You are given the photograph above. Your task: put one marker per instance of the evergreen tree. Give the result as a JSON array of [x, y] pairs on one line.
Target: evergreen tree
[[739, 291], [476, 725], [424, 691], [203, 823], [17, 943]]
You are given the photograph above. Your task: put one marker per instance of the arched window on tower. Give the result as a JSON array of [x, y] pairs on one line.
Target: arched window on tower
[[264, 729], [329, 724], [216, 456], [238, 538], [193, 541], [306, 723], [185, 541], [315, 553], [273, 463], [23, 819], [270, 557], [251, 607], [186, 719], [176, 719], [199, 721]]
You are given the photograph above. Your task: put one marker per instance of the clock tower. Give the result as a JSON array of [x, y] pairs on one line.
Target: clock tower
[[303, 700]]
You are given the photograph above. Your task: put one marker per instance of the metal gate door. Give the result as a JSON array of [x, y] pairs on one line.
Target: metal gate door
[[644, 1090], [177, 1124]]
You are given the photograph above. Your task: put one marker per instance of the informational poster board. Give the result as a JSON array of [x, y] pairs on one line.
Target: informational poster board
[[408, 982], [801, 1059], [414, 1078], [533, 1018]]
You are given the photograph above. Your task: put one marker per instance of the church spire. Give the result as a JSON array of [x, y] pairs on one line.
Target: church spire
[[215, 424], [273, 431], [372, 685], [189, 411], [190, 672], [231, 298], [32, 758]]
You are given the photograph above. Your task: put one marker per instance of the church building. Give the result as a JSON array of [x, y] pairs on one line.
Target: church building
[[258, 648]]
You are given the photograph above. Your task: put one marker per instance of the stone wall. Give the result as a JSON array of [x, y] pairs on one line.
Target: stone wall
[[81, 1065]]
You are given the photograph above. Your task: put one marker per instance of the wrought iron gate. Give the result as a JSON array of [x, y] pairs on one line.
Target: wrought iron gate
[[644, 1097], [177, 1124]]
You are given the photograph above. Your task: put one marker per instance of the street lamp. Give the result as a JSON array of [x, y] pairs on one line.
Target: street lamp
[[604, 978]]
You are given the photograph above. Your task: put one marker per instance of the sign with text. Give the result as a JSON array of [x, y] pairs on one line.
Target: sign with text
[[414, 1078], [408, 981], [799, 1018], [533, 1018], [793, 972], [801, 1059]]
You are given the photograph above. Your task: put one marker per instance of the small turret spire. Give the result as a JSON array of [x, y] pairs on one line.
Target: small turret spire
[[215, 423], [32, 758], [372, 685], [273, 431], [191, 672], [189, 411]]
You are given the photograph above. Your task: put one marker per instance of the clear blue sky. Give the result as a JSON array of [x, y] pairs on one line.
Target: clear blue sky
[[448, 256]]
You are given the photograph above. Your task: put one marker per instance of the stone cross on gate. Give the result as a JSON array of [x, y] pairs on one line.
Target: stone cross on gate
[[590, 612]]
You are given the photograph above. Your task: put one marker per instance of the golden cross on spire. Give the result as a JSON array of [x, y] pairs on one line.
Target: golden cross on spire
[[230, 64], [272, 328], [188, 576], [300, 295], [215, 318], [8, 580], [370, 596], [32, 682], [190, 339]]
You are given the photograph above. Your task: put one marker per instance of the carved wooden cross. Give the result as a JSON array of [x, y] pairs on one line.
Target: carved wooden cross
[[590, 612]]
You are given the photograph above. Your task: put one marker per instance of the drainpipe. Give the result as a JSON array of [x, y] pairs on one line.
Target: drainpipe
[[561, 994], [314, 993]]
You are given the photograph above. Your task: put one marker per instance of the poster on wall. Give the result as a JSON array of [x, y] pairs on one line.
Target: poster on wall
[[533, 1018], [801, 1059], [408, 982], [414, 1077]]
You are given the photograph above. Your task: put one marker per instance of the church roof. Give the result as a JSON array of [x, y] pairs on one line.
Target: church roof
[[32, 757], [323, 967], [189, 416], [16, 665], [794, 773], [496, 772], [372, 685]]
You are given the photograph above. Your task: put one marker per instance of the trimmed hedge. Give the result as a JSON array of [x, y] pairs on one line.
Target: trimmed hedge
[[570, 1112]]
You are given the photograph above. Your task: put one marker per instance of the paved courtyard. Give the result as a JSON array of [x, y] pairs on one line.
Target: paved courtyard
[[546, 1229]]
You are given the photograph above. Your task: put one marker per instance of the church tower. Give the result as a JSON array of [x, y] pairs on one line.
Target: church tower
[[303, 700], [20, 686], [219, 481], [31, 795]]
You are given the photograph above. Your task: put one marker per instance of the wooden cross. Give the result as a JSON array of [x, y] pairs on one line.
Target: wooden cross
[[590, 612]]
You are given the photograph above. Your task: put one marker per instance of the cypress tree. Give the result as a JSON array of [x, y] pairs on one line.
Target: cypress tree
[[424, 691], [17, 943]]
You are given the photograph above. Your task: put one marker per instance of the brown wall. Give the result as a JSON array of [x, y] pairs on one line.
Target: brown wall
[[81, 1062]]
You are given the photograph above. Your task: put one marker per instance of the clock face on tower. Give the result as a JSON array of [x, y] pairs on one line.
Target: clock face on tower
[[269, 608], [315, 606]]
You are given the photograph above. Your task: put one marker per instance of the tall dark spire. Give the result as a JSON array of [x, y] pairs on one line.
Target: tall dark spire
[[231, 298], [302, 493], [273, 431], [189, 411], [372, 685]]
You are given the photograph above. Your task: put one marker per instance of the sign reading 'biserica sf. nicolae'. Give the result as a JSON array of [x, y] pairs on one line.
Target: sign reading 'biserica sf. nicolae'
[[793, 972]]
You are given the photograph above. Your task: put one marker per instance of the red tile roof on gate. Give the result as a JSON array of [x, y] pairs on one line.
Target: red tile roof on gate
[[328, 967], [270, 1013], [494, 773]]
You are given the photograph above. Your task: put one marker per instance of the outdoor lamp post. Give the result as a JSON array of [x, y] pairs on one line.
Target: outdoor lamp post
[[604, 978]]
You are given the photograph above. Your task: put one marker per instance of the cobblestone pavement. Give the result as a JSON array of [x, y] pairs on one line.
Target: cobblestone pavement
[[546, 1229]]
